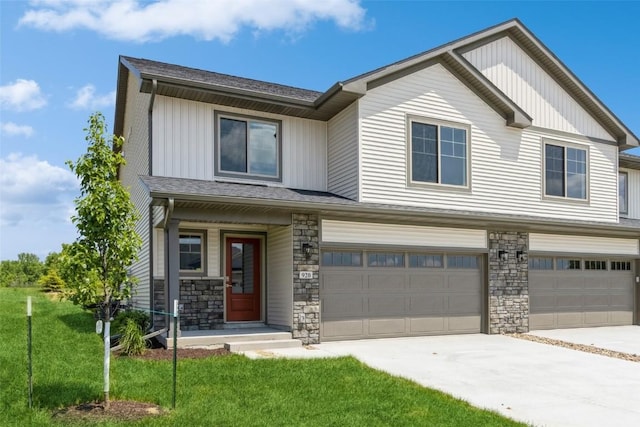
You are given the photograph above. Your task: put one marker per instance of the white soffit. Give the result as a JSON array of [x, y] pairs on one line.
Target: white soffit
[[401, 235], [583, 244]]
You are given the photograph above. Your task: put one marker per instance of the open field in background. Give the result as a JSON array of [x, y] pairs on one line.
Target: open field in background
[[226, 390]]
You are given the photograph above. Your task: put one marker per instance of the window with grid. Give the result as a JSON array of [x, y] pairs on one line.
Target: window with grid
[[438, 153], [462, 261], [568, 264], [541, 263], [595, 265], [342, 259], [191, 245], [386, 259], [425, 261], [620, 265], [565, 172]]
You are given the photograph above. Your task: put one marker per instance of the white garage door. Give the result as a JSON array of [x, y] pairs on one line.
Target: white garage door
[[574, 292], [371, 294]]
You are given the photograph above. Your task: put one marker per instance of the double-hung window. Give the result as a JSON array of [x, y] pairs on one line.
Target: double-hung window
[[191, 252], [248, 147], [438, 153], [623, 193], [565, 171]]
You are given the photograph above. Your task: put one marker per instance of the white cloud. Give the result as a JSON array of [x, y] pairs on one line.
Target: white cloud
[[33, 191], [12, 129], [86, 99], [141, 21], [22, 95]]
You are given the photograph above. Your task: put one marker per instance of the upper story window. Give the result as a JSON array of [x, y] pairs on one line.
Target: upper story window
[[438, 153], [248, 147], [565, 171], [191, 252], [623, 193]]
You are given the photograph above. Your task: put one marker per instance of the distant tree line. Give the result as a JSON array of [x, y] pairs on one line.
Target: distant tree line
[[28, 270]]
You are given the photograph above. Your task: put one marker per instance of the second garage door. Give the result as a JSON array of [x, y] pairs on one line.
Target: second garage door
[[372, 294], [575, 292]]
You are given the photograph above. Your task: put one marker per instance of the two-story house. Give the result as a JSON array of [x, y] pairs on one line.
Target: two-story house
[[475, 187]]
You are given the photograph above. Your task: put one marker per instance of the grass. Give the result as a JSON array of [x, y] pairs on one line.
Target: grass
[[217, 391]]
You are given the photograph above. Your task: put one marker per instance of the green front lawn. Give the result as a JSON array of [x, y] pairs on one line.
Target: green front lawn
[[225, 391]]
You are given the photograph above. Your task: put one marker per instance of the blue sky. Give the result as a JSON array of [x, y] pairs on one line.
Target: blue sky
[[58, 64]]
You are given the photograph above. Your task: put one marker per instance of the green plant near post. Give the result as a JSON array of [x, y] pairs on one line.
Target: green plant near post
[[96, 265], [132, 339]]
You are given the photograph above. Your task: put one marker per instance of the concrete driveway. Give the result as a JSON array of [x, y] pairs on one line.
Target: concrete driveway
[[536, 383]]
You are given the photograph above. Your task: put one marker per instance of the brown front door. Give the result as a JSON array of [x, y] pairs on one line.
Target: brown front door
[[243, 279]]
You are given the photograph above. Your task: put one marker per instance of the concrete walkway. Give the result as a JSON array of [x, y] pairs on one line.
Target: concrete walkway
[[625, 339], [535, 383]]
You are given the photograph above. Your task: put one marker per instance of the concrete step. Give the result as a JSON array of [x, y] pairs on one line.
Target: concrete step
[[220, 337], [237, 346]]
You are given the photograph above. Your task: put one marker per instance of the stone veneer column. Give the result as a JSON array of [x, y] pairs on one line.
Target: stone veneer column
[[508, 283], [306, 292]]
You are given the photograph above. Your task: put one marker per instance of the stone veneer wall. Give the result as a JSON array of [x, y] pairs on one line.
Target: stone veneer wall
[[508, 283], [306, 292], [202, 301]]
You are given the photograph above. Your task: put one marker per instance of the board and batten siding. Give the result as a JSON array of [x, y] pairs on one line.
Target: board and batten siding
[[516, 74], [183, 143], [342, 153], [363, 233], [280, 276], [555, 243], [633, 192], [506, 163], [136, 153]]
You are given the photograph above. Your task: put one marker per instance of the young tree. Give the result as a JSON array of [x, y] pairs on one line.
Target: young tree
[[96, 264]]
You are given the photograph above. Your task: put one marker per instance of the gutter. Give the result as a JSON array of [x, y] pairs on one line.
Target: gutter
[[150, 208]]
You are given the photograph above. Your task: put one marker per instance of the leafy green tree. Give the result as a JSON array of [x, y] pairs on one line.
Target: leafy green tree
[[51, 282], [25, 271], [96, 264]]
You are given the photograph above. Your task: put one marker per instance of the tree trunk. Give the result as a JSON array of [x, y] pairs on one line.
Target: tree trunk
[[107, 357]]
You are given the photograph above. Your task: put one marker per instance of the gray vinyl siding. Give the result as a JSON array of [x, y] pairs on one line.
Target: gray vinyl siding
[[633, 192], [342, 148], [506, 163], [280, 276], [136, 152], [184, 133], [516, 74]]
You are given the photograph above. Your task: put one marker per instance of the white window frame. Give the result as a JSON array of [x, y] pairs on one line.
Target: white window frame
[[203, 253], [219, 171], [565, 145], [439, 124], [626, 193]]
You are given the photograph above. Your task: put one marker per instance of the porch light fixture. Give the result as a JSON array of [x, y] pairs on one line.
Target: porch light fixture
[[520, 255], [306, 249], [503, 255]]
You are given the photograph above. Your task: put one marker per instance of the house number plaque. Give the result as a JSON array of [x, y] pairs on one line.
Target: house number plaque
[[305, 274]]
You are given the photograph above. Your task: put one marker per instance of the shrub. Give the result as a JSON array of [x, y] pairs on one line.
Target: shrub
[[132, 339], [140, 318], [51, 282]]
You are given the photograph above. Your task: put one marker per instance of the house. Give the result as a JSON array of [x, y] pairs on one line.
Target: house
[[476, 187]]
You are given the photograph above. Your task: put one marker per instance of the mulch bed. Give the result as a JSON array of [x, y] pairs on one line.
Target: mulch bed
[[127, 410]]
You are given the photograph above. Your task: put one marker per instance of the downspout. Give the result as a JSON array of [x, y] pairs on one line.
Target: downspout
[[154, 88]]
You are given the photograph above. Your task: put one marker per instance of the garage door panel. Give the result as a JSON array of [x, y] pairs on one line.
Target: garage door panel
[[596, 283], [428, 305], [464, 304], [463, 282], [463, 323], [342, 282], [620, 317], [340, 305], [427, 282], [593, 302], [569, 319], [388, 326], [621, 302], [596, 318], [430, 324], [569, 302], [542, 303], [386, 282], [343, 328], [542, 320], [569, 283], [386, 305]]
